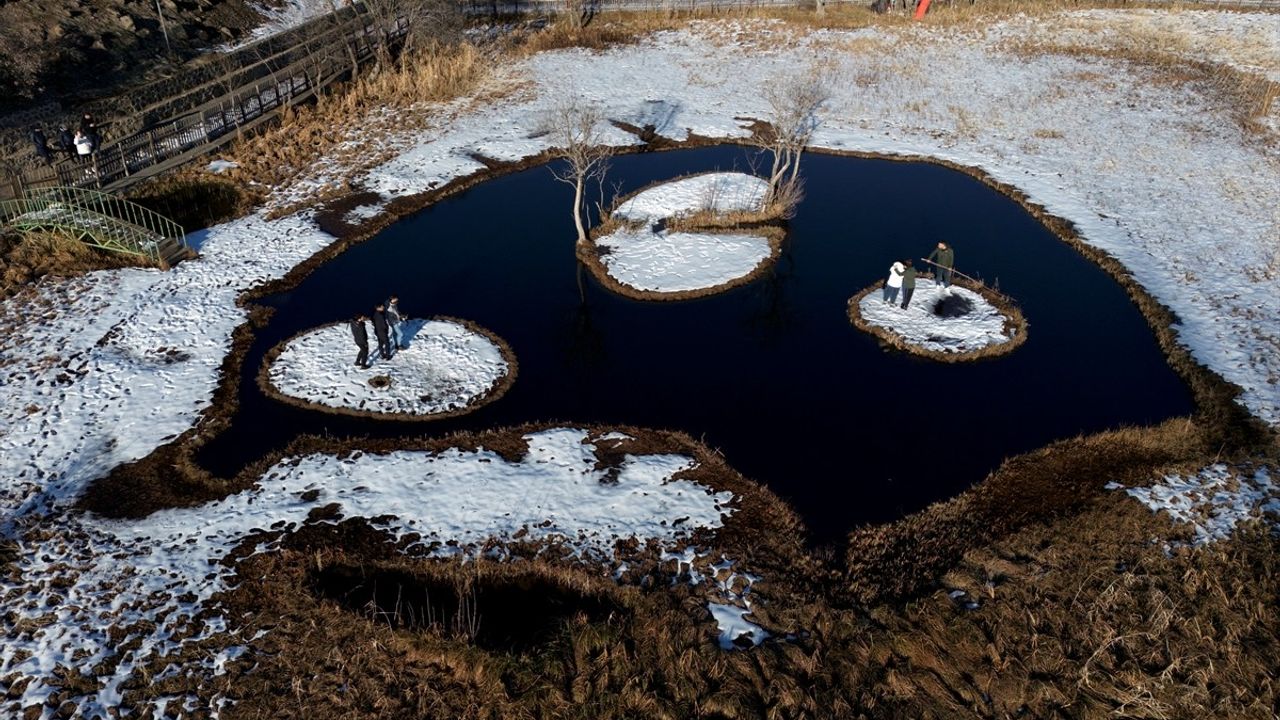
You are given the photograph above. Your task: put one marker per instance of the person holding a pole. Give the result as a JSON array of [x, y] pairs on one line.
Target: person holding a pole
[[943, 259]]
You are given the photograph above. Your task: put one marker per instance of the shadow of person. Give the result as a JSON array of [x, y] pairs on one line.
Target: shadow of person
[[409, 330]]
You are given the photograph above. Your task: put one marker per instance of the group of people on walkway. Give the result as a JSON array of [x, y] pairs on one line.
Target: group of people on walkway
[[388, 329], [902, 274], [82, 145]]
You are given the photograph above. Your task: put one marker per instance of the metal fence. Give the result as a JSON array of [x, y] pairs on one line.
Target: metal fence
[[98, 219]]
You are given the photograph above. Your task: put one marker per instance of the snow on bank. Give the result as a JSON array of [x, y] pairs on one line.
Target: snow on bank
[[444, 368], [730, 593], [100, 370], [1214, 501], [919, 326], [166, 566], [721, 192], [671, 262]]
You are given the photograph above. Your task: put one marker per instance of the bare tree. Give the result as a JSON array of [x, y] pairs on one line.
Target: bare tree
[[574, 131], [425, 22], [578, 13], [794, 104]]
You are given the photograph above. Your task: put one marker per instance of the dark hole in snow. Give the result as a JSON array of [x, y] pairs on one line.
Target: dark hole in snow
[[507, 614], [380, 381], [952, 306]]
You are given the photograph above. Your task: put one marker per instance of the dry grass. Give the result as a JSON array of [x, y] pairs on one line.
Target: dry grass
[[25, 258], [1081, 617], [1211, 64], [899, 559], [195, 198], [1015, 325], [1086, 617], [349, 126]]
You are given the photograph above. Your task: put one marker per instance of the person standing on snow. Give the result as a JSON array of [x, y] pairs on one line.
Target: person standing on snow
[[908, 284], [381, 330], [396, 320], [361, 336], [894, 282], [945, 258]]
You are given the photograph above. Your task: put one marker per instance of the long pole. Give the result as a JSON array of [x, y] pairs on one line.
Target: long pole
[[957, 272], [164, 28]]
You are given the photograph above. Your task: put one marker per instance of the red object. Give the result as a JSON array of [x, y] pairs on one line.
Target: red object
[[922, 8]]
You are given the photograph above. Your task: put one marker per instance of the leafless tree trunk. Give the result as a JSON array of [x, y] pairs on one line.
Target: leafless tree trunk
[[578, 13], [426, 22], [574, 130], [794, 104]]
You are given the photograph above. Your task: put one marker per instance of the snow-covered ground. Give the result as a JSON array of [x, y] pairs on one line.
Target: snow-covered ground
[[669, 262], [721, 192], [1215, 500], [164, 568], [103, 369], [918, 326], [444, 367], [642, 256]]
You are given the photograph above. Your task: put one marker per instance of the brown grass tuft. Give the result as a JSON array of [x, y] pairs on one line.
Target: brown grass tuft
[[347, 127], [27, 257], [195, 199]]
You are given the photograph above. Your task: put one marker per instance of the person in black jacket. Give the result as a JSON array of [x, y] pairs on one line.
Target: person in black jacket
[[908, 284], [41, 144], [67, 141], [361, 337], [382, 331], [95, 138]]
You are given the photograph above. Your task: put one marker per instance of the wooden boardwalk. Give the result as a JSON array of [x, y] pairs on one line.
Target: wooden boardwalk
[[240, 100]]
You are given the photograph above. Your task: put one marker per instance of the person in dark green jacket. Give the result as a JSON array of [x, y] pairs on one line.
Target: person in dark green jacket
[[908, 284], [945, 257]]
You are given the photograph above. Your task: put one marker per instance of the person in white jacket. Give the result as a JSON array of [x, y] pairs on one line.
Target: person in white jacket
[[894, 282], [84, 146]]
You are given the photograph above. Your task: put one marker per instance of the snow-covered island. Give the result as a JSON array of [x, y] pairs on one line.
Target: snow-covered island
[[669, 241], [960, 323], [447, 367]]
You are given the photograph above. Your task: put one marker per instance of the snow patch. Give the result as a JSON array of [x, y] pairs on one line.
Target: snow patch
[[361, 213], [445, 367], [680, 261], [981, 327], [1215, 500], [221, 166], [721, 192]]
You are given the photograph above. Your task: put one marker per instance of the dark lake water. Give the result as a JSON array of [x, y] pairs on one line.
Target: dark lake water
[[772, 373]]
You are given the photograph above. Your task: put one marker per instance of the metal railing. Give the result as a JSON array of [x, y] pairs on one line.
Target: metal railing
[[99, 219], [237, 108]]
